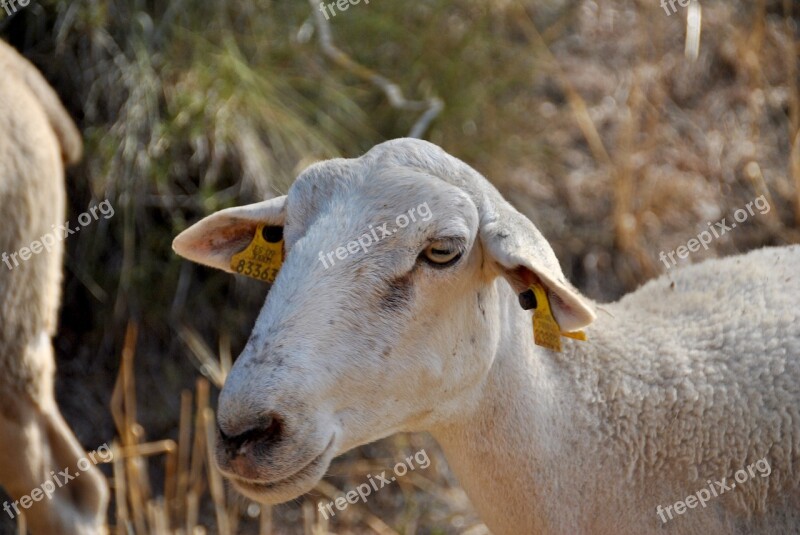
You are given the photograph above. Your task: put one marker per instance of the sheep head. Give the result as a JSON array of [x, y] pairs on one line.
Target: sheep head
[[387, 336]]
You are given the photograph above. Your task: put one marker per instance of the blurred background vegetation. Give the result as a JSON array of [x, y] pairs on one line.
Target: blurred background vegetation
[[587, 115]]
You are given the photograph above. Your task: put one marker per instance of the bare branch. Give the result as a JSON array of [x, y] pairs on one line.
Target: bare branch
[[432, 106]]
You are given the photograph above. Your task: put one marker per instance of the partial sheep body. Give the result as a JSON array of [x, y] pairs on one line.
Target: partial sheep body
[[688, 380], [36, 139], [691, 378]]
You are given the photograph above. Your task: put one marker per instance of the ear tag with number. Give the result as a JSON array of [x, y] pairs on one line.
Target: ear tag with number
[[262, 259], [546, 332]]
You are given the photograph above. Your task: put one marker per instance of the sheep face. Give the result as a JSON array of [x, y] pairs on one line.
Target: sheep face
[[354, 346]]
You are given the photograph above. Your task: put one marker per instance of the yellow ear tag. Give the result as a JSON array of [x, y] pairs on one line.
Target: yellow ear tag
[[262, 259], [546, 332]]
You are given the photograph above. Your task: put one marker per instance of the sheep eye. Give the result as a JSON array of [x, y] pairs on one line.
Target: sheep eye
[[441, 253]]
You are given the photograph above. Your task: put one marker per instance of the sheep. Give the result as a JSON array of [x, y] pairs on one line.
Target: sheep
[[37, 137], [676, 389]]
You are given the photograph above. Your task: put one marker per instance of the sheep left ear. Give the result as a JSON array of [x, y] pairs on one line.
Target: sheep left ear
[[214, 240], [524, 257]]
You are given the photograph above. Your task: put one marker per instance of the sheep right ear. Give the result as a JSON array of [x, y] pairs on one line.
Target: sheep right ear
[[214, 240], [524, 257]]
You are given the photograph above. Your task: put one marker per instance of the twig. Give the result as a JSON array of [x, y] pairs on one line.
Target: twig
[[216, 486], [794, 104], [579, 108], [694, 23], [432, 106]]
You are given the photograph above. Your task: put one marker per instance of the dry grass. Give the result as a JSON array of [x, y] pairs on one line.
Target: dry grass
[[645, 146]]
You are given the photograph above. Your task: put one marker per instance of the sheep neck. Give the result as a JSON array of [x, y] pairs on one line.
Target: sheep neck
[[503, 450]]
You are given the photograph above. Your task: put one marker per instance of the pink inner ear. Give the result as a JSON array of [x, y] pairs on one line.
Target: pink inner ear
[[233, 235], [560, 309], [522, 278], [569, 317]]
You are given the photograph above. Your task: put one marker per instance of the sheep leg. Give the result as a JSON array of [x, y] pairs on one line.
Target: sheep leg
[[39, 451]]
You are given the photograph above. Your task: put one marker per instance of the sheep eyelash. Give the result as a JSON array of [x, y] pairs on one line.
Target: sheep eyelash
[[449, 241]]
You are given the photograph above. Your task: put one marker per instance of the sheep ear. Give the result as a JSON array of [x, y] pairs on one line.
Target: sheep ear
[[525, 257], [214, 240]]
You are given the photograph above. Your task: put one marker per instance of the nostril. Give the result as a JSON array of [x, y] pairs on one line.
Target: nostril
[[268, 430]]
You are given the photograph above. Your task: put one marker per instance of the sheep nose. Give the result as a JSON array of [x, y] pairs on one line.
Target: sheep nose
[[268, 431]]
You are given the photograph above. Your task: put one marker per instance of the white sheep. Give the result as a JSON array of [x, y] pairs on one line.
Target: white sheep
[[36, 138], [687, 381]]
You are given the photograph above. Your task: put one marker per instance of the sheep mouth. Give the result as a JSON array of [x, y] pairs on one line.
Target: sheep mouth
[[289, 487]]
